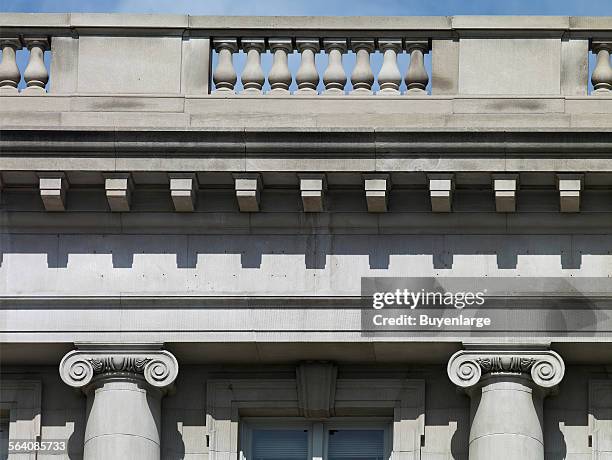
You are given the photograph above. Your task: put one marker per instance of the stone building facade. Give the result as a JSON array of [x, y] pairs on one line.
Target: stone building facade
[[189, 207]]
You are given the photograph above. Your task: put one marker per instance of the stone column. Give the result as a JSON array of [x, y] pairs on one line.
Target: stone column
[[124, 387], [507, 388]]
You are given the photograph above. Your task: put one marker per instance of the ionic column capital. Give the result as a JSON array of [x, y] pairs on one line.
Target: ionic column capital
[[544, 367], [159, 368]]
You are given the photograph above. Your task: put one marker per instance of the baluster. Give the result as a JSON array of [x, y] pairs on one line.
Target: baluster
[[35, 73], [280, 75], [224, 75], [602, 74], [9, 72], [416, 76], [307, 76], [252, 76], [389, 77], [334, 76], [362, 76]]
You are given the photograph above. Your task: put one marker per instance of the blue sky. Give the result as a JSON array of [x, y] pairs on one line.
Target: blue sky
[[318, 7]]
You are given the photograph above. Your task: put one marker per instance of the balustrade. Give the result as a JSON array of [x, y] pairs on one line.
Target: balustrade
[[362, 77], [9, 72], [35, 75], [253, 76], [307, 77], [416, 76], [334, 77], [224, 76], [602, 74], [389, 77], [302, 62], [280, 75]]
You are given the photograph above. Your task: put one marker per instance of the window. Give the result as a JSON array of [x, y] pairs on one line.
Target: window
[[356, 444], [337, 439]]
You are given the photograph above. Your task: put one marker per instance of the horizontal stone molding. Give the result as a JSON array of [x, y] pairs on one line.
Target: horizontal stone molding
[[365, 143], [359, 24], [79, 367], [467, 368]]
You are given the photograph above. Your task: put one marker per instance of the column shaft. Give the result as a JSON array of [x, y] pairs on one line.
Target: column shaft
[[123, 420], [506, 420]]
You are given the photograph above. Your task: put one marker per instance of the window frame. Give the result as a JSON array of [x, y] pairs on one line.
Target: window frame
[[318, 432], [22, 398]]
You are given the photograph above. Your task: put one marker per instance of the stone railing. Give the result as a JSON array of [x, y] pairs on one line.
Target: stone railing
[[195, 56], [35, 74], [334, 77]]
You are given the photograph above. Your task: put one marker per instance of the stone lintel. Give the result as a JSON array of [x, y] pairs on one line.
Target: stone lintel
[[53, 186], [183, 191], [119, 188], [377, 188], [248, 191]]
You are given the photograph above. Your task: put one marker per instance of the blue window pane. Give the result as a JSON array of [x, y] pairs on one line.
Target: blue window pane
[[280, 445], [356, 444]]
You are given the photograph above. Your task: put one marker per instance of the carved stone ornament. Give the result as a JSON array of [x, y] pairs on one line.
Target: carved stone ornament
[[466, 368], [159, 368]]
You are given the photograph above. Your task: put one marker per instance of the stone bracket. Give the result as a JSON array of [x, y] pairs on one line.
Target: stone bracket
[[53, 188], [248, 191], [119, 187], [570, 188], [377, 188], [313, 188], [441, 188], [183, 190], [316, 387], [505, 187]]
